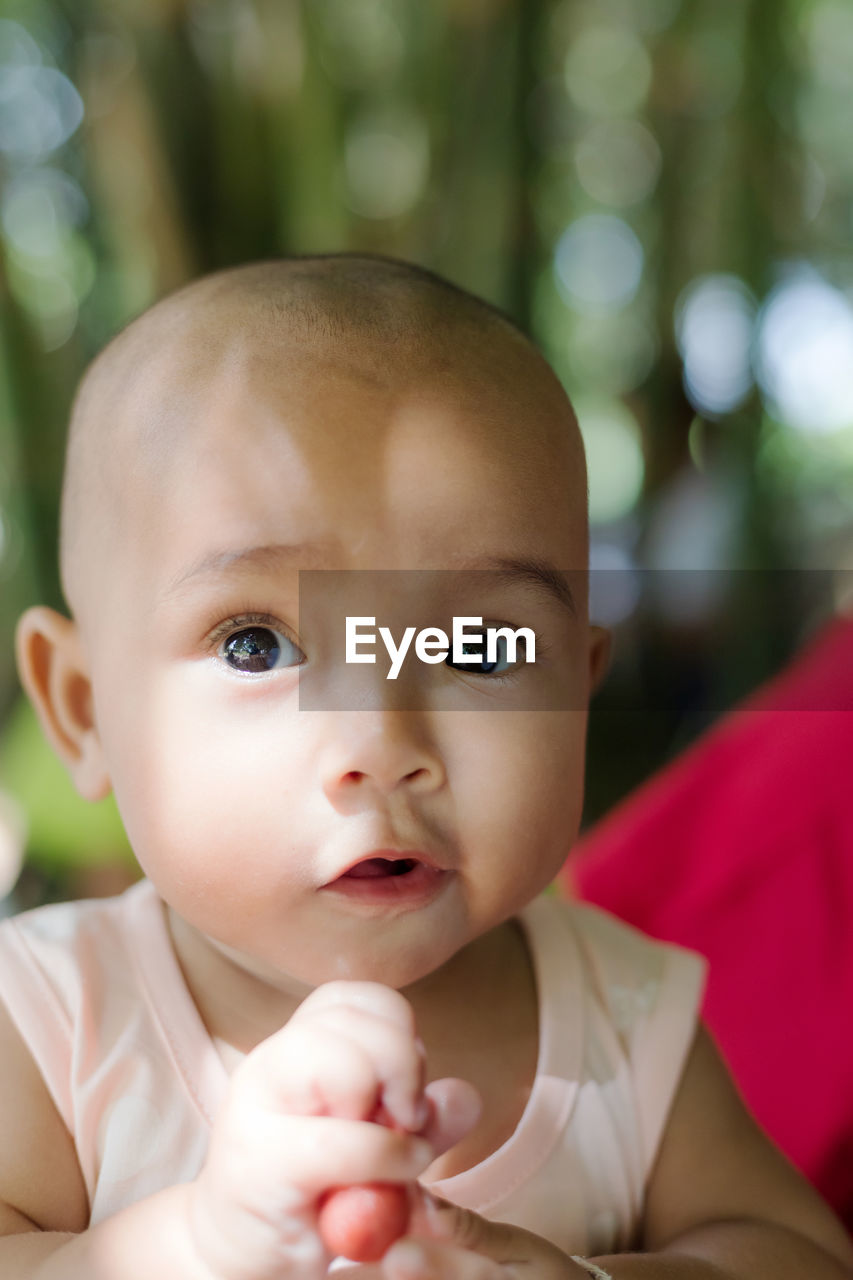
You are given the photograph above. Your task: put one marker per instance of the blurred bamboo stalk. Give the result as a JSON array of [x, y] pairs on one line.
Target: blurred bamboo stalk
[[19, 575], [133, 187]]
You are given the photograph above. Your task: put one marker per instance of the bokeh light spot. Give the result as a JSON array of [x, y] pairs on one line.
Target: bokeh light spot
[[805, 353], [386, 163], [618, 162], [713, 324], [37, 206], [608, 71], [614, 455], [363, 41], [39, 110], [17, 47], [598, 261]]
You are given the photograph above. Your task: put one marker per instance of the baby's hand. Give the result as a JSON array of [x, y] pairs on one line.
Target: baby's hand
[[293, 1126]]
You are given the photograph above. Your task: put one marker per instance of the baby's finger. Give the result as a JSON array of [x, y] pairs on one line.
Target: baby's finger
[[386, 1022], [359, 1152], [397, 1059], [372, 997], [310, 1071], [455, 1107], [439, 1224], [314, 1153], [341, 1060]]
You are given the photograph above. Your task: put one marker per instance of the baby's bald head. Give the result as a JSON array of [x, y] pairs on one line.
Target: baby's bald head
[[371, 319]]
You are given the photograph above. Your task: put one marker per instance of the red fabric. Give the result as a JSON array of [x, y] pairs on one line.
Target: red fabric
[[743, 850]]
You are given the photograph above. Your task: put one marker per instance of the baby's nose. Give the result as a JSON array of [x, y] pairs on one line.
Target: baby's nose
[[382, 750]]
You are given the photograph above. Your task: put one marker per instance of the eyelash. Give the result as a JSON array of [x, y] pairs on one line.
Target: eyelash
[[515, 673], [240, 621]]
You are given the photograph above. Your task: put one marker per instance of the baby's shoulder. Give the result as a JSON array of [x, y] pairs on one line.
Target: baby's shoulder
[[633, 997], [61, 968], [66, 949], [67, 978], [640, 1003], [628, 974]]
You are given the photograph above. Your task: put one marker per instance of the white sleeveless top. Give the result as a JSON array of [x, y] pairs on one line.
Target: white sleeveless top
[[96, 992]]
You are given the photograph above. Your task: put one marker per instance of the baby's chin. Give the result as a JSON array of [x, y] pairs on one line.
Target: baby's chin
[[273, 967], [296, 975], [352, 965]]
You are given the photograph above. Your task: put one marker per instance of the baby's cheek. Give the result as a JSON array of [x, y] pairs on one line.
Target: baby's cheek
[[523, 796], [526, 762]]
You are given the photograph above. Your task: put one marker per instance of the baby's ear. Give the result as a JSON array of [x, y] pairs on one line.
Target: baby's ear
[[600, 644], [54, 673]]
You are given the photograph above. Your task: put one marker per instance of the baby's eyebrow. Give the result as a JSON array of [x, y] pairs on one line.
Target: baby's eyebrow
[[215, 563], [538, 575]]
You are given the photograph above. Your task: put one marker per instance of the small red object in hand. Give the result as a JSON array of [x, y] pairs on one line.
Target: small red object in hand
[[362, 1222]]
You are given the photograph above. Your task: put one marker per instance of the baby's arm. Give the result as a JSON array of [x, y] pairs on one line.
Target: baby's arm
[[150, 1239], [289, 1130], [43, 1202], [723, 1202]]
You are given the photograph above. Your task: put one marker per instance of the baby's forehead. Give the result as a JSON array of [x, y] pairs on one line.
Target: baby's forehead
[[231, 358], [229, 369]]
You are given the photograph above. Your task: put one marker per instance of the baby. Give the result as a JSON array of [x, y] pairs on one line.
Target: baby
[[339, 968]]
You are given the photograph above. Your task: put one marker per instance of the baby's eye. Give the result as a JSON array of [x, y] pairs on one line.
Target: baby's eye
[[483, 668], [258, 649]]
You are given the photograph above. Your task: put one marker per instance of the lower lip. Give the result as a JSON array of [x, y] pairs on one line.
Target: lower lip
[[414, 889]]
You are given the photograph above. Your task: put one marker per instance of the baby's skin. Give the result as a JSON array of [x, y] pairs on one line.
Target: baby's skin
[[349, 1052], [344, 414]]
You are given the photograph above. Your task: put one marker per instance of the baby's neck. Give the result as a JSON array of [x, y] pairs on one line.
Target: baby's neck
[[240, 1009]]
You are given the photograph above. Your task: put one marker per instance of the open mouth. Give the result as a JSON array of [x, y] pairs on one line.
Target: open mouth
[[378, 882], [376, 868]]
